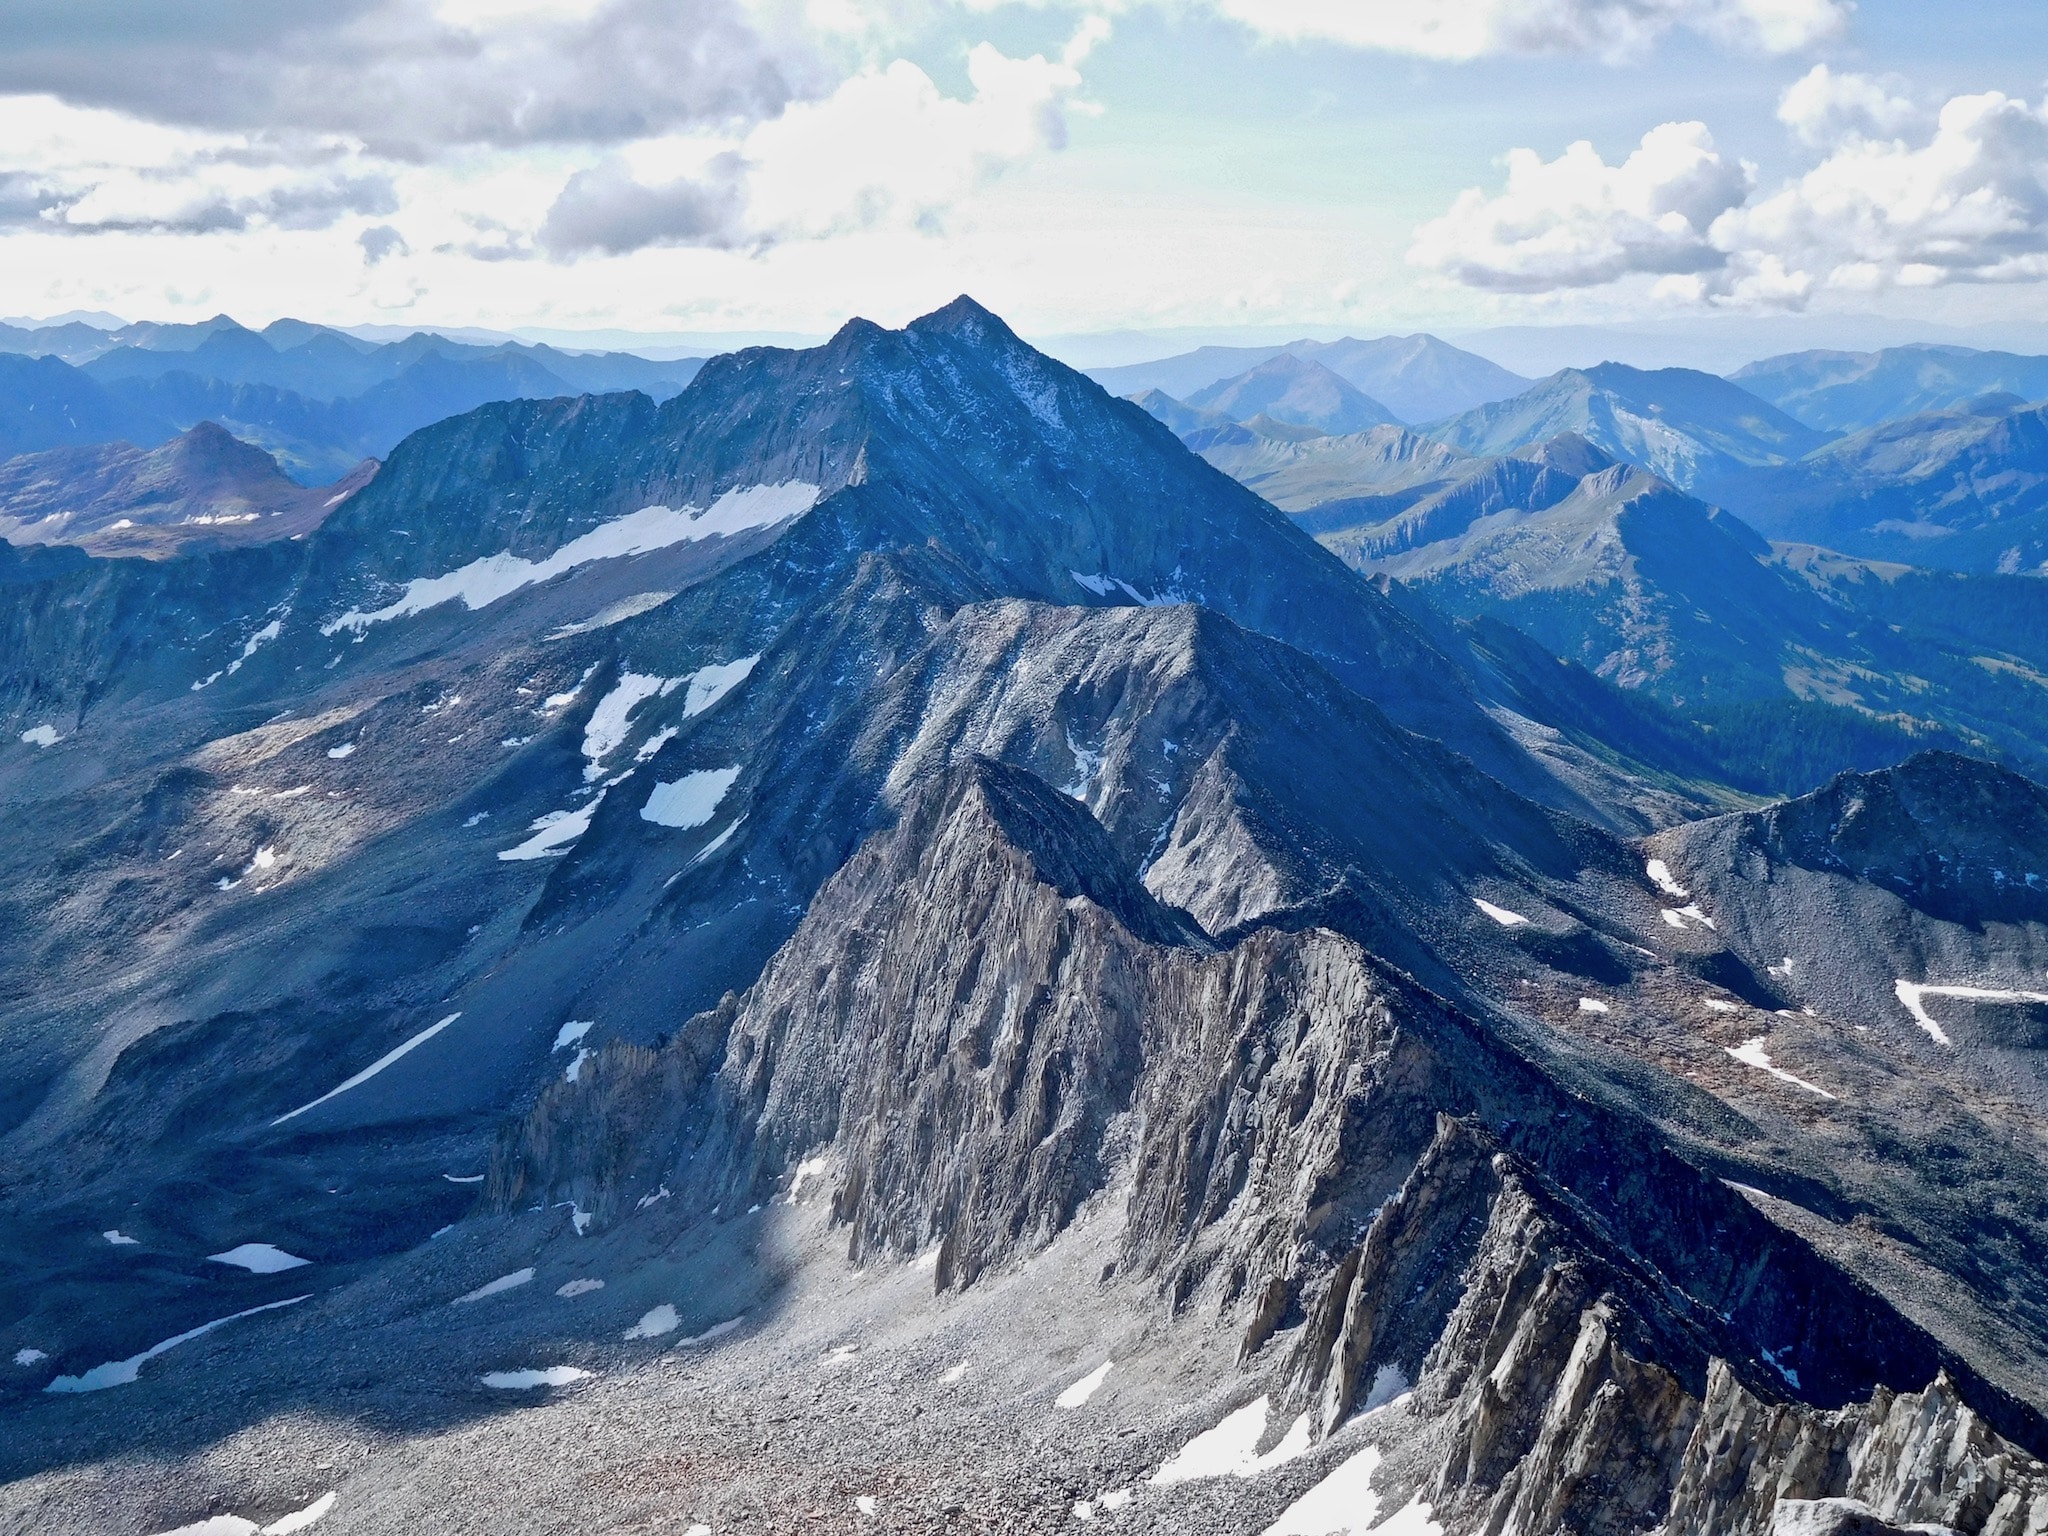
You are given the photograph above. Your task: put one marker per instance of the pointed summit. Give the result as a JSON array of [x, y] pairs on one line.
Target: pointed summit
[[966, 319]]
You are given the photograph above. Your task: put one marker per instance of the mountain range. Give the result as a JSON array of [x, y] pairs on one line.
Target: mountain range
[[1854, 391], [879, 942], [1415, 378], [1957, 490], [318, 400]]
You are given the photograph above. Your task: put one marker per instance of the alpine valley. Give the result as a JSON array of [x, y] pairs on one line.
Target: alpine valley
[[881, 937]]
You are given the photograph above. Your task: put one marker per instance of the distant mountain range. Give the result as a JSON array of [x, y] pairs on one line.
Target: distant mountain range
[[1295, 390], [318, 400], [1853, 391], [1413, 378], [1689, 428], [1963, 490]]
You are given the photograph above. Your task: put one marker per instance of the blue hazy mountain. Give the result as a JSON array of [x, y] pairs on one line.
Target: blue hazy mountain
[[1854, 391], [1688, 428], [1417, 378], [1963, 490], [1298, 391], [318, 400]]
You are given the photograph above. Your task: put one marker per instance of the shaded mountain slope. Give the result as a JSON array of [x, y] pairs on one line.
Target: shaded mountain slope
[[204, 488], [1960, 490]]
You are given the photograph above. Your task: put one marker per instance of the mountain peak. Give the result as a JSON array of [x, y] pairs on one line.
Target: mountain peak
[[967, 319]]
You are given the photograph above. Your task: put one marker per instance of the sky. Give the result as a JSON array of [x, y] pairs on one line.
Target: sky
[[1095, 166]]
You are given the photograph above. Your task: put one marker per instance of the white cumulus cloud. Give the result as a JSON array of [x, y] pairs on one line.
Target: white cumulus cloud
[[1967, 203], [1471, 29], [1898, 198], [1826, 108], [1576, 221], [887, 148]]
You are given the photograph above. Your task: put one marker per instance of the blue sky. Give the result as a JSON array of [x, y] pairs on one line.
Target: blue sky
[[1164, 165]]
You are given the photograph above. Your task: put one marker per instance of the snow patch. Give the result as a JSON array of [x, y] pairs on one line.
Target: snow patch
[[1106, 586], [715, 1331], [954, 1373], [29, 1356], [372, 1069], [258, 1258], [1231, 1449], [1389, 1385], [1085, 1388], [576, 1288], [41, 736], [690, 801], [606, 730], [710, 684], [1500, 915], [524, 1381], [655, 1322], [810, 1168], [255, 643], [1751, 1054], [1911, 995], [571, 1032], [496, 1287], [236, 1525], [463, 1178], [715, 844], [118, 1238], [625, 608], [1660, 876], [1719, 1005], [865, 1503], [646, 1200], [1344, 1504], [574, 1071], [482, 582], [120, 1373], [555, 832], [299, 1519], [1593, 1005]]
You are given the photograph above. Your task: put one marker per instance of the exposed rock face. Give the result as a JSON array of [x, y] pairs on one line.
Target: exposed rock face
[[983, 1024]]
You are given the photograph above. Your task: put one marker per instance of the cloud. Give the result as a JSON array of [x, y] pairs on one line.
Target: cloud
[[1824, 108], [70, 171], [888, 148], [1470, 29], [1576, 222], [24, 198], [409, 80], [1967, 205], [607, 211], [380, 241], [1962, 200]]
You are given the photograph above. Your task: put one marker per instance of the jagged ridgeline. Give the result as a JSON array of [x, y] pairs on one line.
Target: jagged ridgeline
[[891, 836]]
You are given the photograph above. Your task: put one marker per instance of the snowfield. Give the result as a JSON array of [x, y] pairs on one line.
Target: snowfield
[[483, 582], [690, 801], [372, 1069]]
